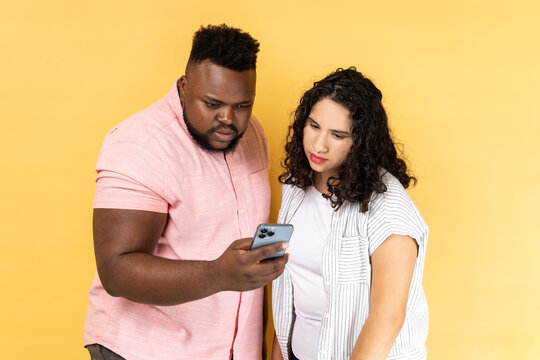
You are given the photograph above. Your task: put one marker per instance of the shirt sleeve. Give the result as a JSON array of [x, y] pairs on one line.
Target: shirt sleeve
[[130, 175], [393, 212]]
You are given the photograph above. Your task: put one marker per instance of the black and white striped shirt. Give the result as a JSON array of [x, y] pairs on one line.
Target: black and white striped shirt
[[346, 270]]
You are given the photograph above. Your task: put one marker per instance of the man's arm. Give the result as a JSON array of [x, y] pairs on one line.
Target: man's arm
[[392, 270], [124, 242]]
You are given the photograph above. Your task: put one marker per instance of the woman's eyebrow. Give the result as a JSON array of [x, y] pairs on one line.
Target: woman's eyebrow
[[341, 132], [312, 120], [348, 133]]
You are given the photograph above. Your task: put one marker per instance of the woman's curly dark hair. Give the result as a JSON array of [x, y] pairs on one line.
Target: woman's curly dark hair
[[371, 153]]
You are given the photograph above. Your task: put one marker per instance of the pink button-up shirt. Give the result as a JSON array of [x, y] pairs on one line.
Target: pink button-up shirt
[[150, 162]]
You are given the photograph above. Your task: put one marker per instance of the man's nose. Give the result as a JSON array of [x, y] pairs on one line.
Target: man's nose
[[226, 115]]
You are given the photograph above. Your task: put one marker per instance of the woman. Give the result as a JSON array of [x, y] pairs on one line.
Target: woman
[[352, 288]]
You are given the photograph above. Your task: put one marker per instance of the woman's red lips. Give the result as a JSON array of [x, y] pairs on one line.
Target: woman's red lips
[[316, 159]]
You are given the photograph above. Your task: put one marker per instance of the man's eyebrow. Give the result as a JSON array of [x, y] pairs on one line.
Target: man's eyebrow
[[209, 98], [212, 99], [245, 102]]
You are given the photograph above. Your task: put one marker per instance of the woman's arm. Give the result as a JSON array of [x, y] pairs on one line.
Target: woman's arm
[[276, 351], [392, 267]]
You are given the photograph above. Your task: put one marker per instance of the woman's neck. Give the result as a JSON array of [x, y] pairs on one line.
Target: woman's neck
[[320, 181]]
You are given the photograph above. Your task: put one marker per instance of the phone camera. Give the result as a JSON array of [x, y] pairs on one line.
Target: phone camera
[[262, 236], [270, 233], [264, 230]]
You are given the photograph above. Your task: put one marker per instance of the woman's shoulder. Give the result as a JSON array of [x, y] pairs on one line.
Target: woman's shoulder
[[395, 192], [291, 198], [394, 202], [394, 212], [291, 189]]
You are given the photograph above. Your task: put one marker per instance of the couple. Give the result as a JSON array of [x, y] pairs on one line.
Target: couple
[[180, 180]]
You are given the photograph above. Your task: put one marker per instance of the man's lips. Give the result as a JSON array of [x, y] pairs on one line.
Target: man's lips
[[316, 159], [225, 135]]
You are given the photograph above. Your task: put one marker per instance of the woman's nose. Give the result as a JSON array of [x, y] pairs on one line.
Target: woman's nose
[[321, 145]]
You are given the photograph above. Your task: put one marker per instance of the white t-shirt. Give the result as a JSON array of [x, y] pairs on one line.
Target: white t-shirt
[[311, 227]]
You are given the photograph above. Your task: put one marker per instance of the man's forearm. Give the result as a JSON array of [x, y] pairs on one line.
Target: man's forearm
[[153, 280]]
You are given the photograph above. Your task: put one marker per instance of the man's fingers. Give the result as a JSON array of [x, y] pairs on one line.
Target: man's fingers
[[267, 250], [242, 244], [246, 268], [272, 268]]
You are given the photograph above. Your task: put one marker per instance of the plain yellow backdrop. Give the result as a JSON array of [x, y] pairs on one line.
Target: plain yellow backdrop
[[460, 80]]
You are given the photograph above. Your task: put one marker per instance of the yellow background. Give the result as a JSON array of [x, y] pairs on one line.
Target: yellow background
[[461, 81]]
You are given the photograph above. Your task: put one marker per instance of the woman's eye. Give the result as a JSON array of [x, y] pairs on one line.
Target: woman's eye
[[314, 126]]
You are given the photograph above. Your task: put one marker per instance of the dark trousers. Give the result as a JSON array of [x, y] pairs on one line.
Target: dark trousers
[[99, 352]]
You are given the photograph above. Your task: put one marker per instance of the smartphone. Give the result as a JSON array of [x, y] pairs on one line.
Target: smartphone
[[272, 233]]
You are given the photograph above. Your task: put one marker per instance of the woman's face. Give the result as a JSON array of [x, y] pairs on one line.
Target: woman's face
[[327, 137]]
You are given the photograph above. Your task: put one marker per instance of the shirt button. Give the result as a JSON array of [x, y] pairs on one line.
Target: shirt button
[[235, 178], [241, 211]]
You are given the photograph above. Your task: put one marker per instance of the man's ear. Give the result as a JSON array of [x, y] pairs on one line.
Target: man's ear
[[182, 85]]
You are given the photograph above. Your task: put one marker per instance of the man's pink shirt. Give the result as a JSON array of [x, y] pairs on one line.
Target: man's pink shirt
[[150, 162]]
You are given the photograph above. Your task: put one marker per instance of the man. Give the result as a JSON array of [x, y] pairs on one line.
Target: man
[[176, 184]]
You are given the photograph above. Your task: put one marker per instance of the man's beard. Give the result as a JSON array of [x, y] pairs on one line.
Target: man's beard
[[202, 138]]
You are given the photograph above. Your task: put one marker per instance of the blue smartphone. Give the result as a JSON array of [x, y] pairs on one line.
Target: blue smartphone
[[272, 233]]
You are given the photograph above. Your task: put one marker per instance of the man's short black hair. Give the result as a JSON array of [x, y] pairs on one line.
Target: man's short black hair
[[225, 46]]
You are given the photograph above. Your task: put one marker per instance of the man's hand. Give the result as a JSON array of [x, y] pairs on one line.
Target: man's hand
[[125, 240], [241, 269]]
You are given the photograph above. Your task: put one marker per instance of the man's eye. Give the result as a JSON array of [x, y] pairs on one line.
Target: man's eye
[[212, 105], [243, 106]]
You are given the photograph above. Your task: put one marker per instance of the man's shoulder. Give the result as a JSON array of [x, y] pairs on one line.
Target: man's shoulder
[[254, 147], [255, 131], [146, 125]]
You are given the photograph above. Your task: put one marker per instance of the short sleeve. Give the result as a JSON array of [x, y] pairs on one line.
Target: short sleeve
[[130, 175], [393, 212]]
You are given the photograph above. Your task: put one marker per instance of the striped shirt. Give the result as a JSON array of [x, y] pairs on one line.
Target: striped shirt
[[346, 270]]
